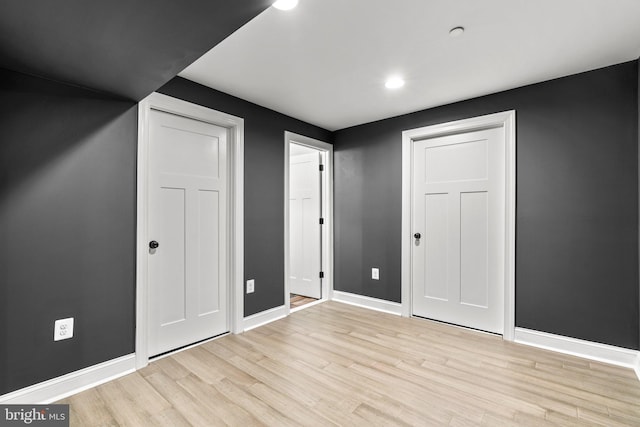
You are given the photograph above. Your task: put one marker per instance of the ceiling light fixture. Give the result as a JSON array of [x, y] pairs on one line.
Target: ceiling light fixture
[[394, 83], [457, 31], [285, 4]]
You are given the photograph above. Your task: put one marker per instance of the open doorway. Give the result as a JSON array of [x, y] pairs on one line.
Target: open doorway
[[307, 221]]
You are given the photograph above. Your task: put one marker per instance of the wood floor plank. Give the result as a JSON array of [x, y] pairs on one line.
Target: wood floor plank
[[565, 420], [124, 409], [291, 387], [376, 417], [597, 418], [209, 397], [296, 301], [138, 389], [333, 364], [303, 415], [372, 396], [170, 417], [194, 362], [169, 365], [88, 408], [188, 407], [260, 410]]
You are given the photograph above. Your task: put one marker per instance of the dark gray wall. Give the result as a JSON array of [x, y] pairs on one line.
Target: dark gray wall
[[264, 186], [124, 47], [67, 227], [577, 202], [67, 219]]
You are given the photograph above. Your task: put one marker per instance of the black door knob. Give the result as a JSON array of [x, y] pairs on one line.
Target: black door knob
[[153, 244], [417, 235]]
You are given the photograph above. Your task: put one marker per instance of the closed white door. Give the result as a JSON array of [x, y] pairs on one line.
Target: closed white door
[[188, 224], [458, 214], [305, 228]]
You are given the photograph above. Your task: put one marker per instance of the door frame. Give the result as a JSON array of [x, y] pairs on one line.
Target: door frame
[[506, 120], [327, 213], [235, 214]]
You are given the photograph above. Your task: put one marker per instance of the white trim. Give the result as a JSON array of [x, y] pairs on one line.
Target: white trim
[[507, 120], [142, 357], [368, 302], [235, 126], [72, 383], [264, 317], [405, 246], [587, 349], [327, 212]]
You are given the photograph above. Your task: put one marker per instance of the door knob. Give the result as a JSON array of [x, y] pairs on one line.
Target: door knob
[[153, 244], [417, 235]]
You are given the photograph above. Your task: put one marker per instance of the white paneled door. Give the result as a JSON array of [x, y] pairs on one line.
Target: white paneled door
[[187, 227], [458, 222], [305, 228]]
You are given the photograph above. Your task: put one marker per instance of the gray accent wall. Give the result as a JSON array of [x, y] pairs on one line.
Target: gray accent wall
[[577, 202], [68, 169], [67, 228], [67, 219], [264, 186]]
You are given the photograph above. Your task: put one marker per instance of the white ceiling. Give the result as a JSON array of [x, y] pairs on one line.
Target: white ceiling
[[326, 61]]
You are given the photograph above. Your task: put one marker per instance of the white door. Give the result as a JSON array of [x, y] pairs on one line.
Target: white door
[[305, 228], [187, 219], [458, 214]]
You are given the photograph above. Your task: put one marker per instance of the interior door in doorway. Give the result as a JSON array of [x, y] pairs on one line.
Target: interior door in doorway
[[458, 215], [304, 219], [187, 226]]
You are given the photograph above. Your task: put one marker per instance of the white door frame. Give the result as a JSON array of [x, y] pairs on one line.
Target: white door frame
[[235, 240], [327, 213], [506, 120]]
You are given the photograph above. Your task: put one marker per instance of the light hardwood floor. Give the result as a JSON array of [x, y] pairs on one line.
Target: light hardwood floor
[[296, 301], [334, 364]]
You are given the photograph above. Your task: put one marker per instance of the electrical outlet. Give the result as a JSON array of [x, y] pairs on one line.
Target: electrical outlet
[[63, 329], [251, 286], [375, 273]]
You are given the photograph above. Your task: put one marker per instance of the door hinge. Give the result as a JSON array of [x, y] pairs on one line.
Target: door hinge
[[321, 221], [321, 168], [322, 274]]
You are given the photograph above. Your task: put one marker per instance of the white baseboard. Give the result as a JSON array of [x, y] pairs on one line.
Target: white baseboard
[[264, 317], [72, 383], [368, 302], [581, 348]]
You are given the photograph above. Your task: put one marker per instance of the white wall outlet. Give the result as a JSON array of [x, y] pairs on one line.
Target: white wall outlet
[[63, 329], [251, 286], [375, 273]]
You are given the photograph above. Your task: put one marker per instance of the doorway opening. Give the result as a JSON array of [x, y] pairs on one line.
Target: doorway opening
[[308, 247]]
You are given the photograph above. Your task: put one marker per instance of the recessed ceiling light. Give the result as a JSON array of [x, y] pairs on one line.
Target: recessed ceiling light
[[394, 83], [457, 31], [285, 4]]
